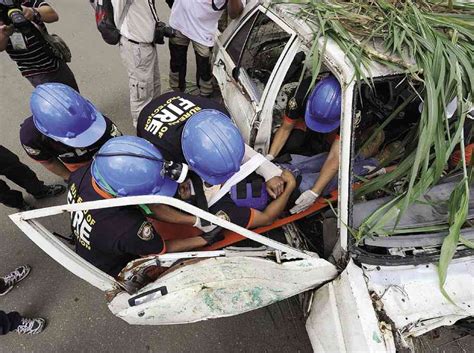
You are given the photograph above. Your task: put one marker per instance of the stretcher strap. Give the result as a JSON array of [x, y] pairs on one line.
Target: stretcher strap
[[245, 170]]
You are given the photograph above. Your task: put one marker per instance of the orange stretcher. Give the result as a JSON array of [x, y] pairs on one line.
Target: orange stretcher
[[171, 231]]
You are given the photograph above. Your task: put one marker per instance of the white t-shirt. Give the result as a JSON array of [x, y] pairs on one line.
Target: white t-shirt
[[139, 23], [196, 19]]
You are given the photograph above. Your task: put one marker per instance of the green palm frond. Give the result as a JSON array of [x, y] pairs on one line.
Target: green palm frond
[[433, 42]]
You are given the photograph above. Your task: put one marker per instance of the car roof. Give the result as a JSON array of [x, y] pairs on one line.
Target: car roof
[[334, 55]]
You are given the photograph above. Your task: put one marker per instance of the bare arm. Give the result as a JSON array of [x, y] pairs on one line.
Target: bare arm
[[276, 207], [235, 8], [46, 12], [169, 214], [55, 166], [177, 245], [280, 138], [329, 169]]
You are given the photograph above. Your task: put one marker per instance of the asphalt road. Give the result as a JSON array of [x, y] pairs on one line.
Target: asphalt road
[[78, 318]]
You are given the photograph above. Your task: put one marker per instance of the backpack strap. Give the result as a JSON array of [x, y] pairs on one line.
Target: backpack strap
[[128, 3]]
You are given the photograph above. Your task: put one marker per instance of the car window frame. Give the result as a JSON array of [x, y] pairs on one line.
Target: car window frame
[[246, 82]]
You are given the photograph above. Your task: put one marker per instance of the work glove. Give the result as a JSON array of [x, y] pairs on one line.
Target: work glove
[[269, 157], [213, 236], [370, 169], [381, 171], [305, 200], [204, 225]]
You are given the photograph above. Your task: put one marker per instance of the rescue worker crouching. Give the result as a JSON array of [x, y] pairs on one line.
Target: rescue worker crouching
[[65, 131], [322, 111], [110, 238], [198, 131], [214, 149]]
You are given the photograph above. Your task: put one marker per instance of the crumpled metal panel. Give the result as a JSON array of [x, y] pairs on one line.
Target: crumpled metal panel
[[411, 296], [220, 287], [343, 319]]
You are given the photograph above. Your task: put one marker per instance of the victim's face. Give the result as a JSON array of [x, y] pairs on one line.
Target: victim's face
[[185, 190]]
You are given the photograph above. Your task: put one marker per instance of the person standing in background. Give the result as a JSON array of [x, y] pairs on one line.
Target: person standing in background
[[29, 49], [196, 22], [138, 51]]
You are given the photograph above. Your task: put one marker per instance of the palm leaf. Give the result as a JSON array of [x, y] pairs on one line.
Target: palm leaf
[[439, 37]]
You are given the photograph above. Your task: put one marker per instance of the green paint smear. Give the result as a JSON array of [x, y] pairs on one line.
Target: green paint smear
[[256, 296], [376, 337], [209, 300]]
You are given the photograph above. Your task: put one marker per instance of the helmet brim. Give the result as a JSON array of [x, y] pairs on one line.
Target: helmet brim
[[215, 180], [87, 137], [168, 188], [318, 126]]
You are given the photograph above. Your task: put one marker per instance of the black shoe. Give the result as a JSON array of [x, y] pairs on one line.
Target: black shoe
[[50, 191], [25, 207]]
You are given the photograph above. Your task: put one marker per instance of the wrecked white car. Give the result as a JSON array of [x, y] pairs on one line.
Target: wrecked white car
[[388, 290], [369, 295]]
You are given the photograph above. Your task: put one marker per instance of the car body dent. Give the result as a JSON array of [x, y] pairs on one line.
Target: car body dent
[[342, 317], [411, 296], [219, 287], [340, 305], [209, 286]]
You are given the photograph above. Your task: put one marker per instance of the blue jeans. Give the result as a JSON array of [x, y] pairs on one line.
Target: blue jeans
[[309, 167]]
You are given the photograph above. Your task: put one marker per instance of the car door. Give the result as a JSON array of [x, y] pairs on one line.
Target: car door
[[199, 285], [245, 65]]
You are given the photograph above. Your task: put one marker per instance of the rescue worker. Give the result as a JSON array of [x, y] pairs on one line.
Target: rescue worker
[[65, 131], [319, 171], [293, 136], [198, 131], [110, 238]]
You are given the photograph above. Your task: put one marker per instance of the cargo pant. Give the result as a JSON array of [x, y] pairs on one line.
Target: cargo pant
[[141, 61], [178, 64]]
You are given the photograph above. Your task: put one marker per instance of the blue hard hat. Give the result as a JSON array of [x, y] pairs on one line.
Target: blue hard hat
[[131, 166], [323, 109], [212, 146], [62, 114]]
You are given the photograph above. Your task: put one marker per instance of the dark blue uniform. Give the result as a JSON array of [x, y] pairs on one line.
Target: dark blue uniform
[[112, 237], [162, 121], [43, 148]]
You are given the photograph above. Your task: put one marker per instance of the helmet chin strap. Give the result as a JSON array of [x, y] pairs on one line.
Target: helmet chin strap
[[102, 184], [173, 170]]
